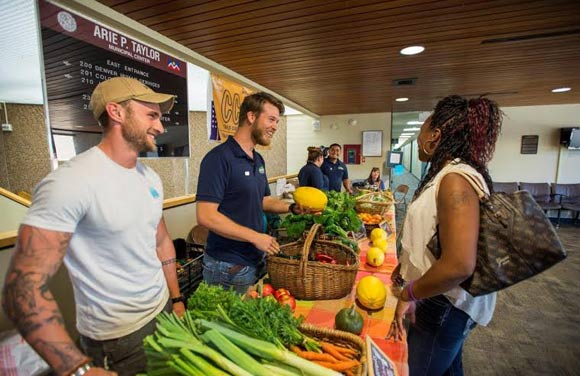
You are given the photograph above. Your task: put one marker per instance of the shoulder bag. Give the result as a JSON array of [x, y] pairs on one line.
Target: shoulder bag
[[516, 241]]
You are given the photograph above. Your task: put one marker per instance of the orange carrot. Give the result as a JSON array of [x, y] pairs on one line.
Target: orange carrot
[[338, 366], [342, 350], [348, 373], [333, 350], [311, 355]]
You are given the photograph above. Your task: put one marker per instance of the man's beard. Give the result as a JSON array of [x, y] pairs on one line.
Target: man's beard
[[259, 136], [137, 138]]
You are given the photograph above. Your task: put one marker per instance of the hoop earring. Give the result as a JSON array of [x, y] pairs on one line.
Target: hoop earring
[[425, 151]]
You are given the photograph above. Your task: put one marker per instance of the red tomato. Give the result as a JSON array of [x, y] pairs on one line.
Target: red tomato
[[281, 292], [289, 300], [267, 289], [253, 294]]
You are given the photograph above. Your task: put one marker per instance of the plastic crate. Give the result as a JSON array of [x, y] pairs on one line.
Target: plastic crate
[[189, 273]]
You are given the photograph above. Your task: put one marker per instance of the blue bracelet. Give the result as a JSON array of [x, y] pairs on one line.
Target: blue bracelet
[[410, 291]]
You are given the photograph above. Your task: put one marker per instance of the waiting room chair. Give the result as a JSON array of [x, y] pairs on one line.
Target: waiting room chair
[[507, 187], [402, 190], [541, 193], [568, 195]]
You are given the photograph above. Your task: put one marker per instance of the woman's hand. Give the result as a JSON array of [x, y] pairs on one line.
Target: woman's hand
[[397, 330]]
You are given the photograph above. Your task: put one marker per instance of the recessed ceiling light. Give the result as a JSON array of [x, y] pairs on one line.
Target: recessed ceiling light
[[402, 99], [411, 129], [407, 134], [414, 122], [561, 90], [412, 50]]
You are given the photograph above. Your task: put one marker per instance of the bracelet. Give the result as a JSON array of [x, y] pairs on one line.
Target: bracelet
[[82, 369], [178, 299], [291, 208], [409, 289]]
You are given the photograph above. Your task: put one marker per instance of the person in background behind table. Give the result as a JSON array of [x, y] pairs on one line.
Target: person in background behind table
[[336, 170], [233, 193], [310, 174], [460, 135], [102, 213], [374, 180]]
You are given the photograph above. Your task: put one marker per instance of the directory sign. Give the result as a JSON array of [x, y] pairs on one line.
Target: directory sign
[[79, 53]]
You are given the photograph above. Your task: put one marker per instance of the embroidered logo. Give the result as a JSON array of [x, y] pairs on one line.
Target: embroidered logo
[[247, 173], [153, 192], [341, 168], [261, 170]]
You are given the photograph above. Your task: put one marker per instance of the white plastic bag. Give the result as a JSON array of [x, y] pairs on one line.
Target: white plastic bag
[[17, 358]]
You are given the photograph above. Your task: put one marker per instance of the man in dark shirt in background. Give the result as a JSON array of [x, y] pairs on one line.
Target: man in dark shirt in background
[[336, 170]]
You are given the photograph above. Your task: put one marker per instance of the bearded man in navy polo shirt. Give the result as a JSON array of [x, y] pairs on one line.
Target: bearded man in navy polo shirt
[[232, 195], [335, 170]]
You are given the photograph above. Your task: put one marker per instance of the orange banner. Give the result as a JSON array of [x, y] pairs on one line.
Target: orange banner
[[227, 97]]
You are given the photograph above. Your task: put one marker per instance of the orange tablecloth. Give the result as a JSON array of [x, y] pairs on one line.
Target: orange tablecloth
[[322, 312]]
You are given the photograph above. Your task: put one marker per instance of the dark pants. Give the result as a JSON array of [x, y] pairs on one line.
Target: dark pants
[[123, 355], [228, 275], [436, 339]]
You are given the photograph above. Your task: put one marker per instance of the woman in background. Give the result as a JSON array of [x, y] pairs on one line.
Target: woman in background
[[375, 181], [459, 137], [310, 174]]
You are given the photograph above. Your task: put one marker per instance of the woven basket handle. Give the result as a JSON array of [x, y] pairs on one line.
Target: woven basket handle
[[306, 248], [361, 197]]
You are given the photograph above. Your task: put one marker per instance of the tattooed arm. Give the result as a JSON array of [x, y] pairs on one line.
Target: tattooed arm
[[166, 254], [29, 303]]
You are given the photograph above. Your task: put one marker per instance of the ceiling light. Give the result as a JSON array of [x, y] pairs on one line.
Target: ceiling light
[[414, 122], [412, 50], [561, 90], [411, 129], [402, 99], [407, 134]]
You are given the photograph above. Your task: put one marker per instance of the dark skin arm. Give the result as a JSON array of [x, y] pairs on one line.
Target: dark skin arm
[[458, 212], [29, 303]]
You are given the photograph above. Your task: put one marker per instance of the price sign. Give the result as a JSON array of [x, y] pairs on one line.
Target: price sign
[[79, 54], [379, 364]]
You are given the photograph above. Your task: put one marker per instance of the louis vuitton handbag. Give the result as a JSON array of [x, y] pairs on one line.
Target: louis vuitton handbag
[[516, 241]]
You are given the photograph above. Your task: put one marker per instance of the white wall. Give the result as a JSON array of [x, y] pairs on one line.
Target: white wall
[[553, 163], [301, 134]]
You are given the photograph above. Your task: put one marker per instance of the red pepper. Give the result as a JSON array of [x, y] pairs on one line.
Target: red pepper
[[327, 259]]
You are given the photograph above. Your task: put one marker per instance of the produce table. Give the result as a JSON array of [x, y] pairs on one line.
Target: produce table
[[377, 324]]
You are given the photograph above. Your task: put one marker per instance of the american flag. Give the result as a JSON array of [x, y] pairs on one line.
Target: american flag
[[213, 132]]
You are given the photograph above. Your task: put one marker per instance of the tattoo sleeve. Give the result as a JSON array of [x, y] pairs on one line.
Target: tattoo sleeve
[[29, 303]]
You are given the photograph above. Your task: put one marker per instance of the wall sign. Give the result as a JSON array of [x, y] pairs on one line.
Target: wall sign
[[372, 143], [78, 54]]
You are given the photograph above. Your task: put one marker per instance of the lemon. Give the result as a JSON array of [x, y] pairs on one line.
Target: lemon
[[381, 243], [378, 233], [375, 256]]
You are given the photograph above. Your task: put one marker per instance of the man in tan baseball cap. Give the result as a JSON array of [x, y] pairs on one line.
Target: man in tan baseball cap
[[102, 212], [120, 89]]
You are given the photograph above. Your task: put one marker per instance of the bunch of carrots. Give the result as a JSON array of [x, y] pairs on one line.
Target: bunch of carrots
[[334, 357]]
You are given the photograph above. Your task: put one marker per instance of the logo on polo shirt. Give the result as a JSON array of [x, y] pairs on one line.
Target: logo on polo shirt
[[153, 192], [341, 168], [261, 170]]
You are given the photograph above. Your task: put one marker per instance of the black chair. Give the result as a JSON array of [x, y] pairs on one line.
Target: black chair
[[541, 193], [507, 187], [569, 197]]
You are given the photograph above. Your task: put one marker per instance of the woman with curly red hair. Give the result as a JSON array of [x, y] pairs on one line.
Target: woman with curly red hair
[[459, 137]]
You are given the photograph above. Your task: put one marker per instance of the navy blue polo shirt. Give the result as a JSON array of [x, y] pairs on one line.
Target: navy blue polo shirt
[[336, 173], [238, 183], [311, 176]]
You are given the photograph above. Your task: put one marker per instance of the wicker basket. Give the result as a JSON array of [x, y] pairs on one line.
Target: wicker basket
[[313, 280], [365, 204], [340, 338]]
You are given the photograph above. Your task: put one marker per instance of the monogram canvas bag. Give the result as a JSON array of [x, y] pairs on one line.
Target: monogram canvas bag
[[516, 241]]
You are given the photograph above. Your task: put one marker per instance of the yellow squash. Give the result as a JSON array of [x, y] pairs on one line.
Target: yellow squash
[[371, 292], [375, 256], [310, 198]]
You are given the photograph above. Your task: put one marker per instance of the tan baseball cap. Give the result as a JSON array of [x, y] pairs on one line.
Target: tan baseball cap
[[120, 89]]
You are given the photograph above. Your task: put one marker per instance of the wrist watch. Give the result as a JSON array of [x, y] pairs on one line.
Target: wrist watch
[[178, 299], [82, 369]]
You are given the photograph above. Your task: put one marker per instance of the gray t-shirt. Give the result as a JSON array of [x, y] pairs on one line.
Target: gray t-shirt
[[113, 213]]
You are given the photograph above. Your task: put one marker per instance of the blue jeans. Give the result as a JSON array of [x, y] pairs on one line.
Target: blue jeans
[[227, 274], [436, 339]]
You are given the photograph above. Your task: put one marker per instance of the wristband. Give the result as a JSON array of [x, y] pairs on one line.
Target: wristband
[[291, 208], [178, 299], [409, 289]]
